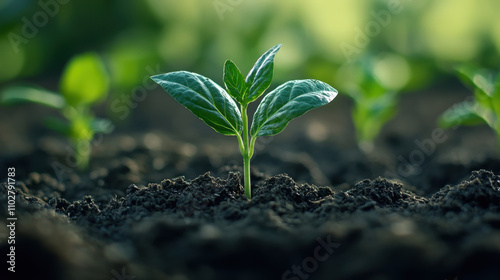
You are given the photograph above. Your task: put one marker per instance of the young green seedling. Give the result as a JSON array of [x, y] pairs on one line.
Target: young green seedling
[[374, 85], [484, 108], [218, 108], [84, 83]]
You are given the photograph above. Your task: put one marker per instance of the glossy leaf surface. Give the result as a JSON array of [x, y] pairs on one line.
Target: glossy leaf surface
[[288, 101], [260, 76], [207, 100], [234, 81]]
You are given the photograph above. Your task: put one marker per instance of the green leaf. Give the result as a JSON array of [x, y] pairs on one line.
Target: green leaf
[[207, 100], [260, 76], [288, 101], [234, 81], [481, 79], [370, 115], [495, 100], [22, 94], [464, 113], [482, 99], [85, 80]]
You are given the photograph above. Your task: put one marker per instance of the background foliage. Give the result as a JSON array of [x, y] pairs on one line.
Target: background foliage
[[197, 35]]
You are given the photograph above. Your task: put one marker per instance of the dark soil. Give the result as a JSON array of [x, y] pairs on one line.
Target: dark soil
[[341, 214]]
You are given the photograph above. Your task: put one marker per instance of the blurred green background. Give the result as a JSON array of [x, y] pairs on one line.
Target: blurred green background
[[38, 37]]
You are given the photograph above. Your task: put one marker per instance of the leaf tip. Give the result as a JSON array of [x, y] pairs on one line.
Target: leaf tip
[[157, 78], [333, 94]]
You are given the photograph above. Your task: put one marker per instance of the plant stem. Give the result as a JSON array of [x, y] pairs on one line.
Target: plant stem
[[81, 134], [246, 152], [82, 154], [248, 186]]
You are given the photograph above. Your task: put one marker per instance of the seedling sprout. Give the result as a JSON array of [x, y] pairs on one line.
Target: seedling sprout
[[484, 108], [226, 110], [84, 83], [374, 84]]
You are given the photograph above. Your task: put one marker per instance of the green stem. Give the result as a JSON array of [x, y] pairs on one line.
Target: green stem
[[81, 134], [246, 152], [82, 153], [248, 186]]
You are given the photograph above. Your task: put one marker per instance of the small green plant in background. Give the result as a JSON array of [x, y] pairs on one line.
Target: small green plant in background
[[374, 84], [484, 108], [219, 108], [84, 83]]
